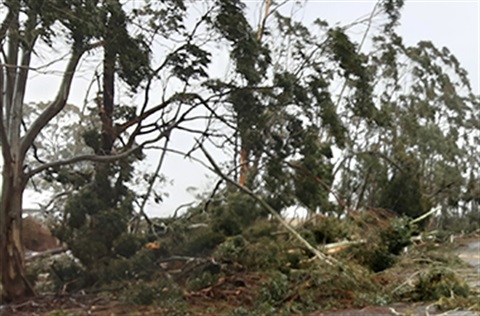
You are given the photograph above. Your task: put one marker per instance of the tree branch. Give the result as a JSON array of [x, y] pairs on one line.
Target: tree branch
[[122, 127], [55, 107], [327, 259], [96, 158], [101, 158], [155, 176], [6, 24], [6, 153]]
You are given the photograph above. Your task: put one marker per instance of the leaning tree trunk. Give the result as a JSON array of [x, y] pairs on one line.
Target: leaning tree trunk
[[12, 262]]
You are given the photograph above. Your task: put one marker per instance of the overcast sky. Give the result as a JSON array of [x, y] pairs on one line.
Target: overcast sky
[[454, 24]]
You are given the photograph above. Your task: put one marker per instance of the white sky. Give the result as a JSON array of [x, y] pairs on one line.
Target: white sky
[[454, 24]]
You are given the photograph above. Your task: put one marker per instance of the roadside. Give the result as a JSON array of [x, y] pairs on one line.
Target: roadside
[[467, 249]]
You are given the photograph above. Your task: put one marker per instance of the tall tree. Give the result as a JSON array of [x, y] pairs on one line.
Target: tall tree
[[420, 150], [282, 101], [126, 36]]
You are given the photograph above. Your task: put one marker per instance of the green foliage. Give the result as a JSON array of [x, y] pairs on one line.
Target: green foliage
[[422, 153], [127, 245], [147, 293], [201, 242], [397, 235], [392, 8], [354, 66], [189, 61], [237, 212], [96, 216], [403, 194], [231, 249], [327, 229], [265, 254], [260, 228], [384, 245], [200, 281], [65, 273], [140, 266], [275, 289], [251, 59], [375, 257]]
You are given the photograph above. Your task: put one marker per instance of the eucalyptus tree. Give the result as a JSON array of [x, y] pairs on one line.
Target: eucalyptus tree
[[123, 37], [421, 149], [282, 101]]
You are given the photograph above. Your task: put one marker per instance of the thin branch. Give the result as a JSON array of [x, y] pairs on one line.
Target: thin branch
[[122, 127], [96, 158], [103, 158], [152, 182], [422, 217], [264, 20], [46, 253]]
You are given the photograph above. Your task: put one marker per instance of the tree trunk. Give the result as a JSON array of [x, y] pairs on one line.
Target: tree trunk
[[12, 256], [244, 166]]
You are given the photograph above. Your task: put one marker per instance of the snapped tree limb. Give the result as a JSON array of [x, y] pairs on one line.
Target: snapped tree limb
[[327, 259]]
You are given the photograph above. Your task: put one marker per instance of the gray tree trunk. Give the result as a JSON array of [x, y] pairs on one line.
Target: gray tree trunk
[[12, 259]]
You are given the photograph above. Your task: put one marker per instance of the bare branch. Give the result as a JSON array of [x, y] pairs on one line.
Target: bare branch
[[55, 107], [122, 127], [102, 158], [155, 175], [96, 158], [264, 20]]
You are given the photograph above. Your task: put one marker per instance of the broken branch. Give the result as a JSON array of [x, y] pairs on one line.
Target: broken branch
[[327, 259]]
